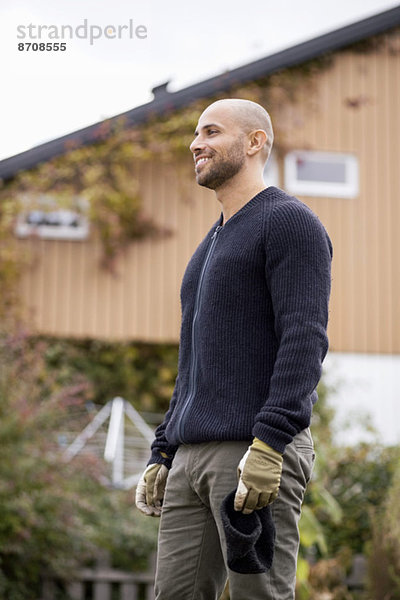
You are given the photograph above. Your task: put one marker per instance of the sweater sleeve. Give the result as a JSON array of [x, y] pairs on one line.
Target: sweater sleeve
[[161, 451], [298, 262]]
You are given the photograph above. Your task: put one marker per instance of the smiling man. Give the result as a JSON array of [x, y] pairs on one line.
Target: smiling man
[[235, 447]]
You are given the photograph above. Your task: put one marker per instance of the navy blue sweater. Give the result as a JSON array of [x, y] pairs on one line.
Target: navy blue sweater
[[253, 335]]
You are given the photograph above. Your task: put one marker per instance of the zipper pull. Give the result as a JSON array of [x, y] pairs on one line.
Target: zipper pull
[[217, 229]]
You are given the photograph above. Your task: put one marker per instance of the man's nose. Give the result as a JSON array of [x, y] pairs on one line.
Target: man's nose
[[196, 145]]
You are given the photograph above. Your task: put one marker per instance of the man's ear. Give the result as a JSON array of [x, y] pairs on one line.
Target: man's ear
[[257, 140]]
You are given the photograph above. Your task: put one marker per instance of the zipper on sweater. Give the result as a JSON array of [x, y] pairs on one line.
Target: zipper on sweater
[[193, 361]]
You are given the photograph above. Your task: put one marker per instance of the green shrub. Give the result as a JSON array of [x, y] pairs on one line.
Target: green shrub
[[54, 516], [384, 547], [143, 374]]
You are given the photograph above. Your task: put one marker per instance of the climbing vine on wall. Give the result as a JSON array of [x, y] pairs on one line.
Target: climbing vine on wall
[[103, 173]]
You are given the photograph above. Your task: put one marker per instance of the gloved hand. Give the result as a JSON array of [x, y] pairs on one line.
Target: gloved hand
[[150, 489], [259, 474]]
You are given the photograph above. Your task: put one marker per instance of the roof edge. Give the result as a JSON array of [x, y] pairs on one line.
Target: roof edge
[[163, 100]]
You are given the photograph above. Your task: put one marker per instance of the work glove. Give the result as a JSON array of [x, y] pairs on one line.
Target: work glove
[[150, 489], [259, 474]]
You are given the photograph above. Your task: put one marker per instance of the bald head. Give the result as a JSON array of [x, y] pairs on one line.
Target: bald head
[[250, 116]]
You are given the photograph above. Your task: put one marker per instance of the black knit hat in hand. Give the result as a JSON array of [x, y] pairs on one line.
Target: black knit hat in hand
[[249, 538]]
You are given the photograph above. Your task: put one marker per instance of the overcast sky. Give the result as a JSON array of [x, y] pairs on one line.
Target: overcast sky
[[47, 94]]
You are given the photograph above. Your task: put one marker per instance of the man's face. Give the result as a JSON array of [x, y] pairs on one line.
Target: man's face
[[218, 148]]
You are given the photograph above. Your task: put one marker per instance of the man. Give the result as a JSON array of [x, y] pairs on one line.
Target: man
[[253, 337]]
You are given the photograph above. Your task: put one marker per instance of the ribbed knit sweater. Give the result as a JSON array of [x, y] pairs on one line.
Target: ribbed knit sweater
[[254, 302]]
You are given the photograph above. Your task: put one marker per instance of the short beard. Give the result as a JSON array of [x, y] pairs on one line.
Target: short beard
[[224, 168]]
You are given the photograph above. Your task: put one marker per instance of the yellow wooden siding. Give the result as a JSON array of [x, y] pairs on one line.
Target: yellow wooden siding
[[68, 294], [366, 274], [354, 108]]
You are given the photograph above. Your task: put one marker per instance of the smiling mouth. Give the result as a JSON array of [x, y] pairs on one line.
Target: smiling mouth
[[201, 161]]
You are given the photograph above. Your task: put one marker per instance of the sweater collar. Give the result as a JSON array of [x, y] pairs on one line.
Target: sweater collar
[[264, 194]]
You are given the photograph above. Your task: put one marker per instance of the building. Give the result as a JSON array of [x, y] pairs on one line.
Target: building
[[338, 151]]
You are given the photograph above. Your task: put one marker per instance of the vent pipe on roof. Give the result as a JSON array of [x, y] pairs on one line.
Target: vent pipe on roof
[[160, 90]]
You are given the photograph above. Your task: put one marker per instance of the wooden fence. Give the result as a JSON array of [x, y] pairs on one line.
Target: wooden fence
[[102, 583]]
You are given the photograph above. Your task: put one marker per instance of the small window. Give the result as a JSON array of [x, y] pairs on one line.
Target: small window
[[321, 174], [51, 223], [271, 171]]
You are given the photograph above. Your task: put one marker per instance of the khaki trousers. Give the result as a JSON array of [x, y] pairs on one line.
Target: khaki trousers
[[191, 561]]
